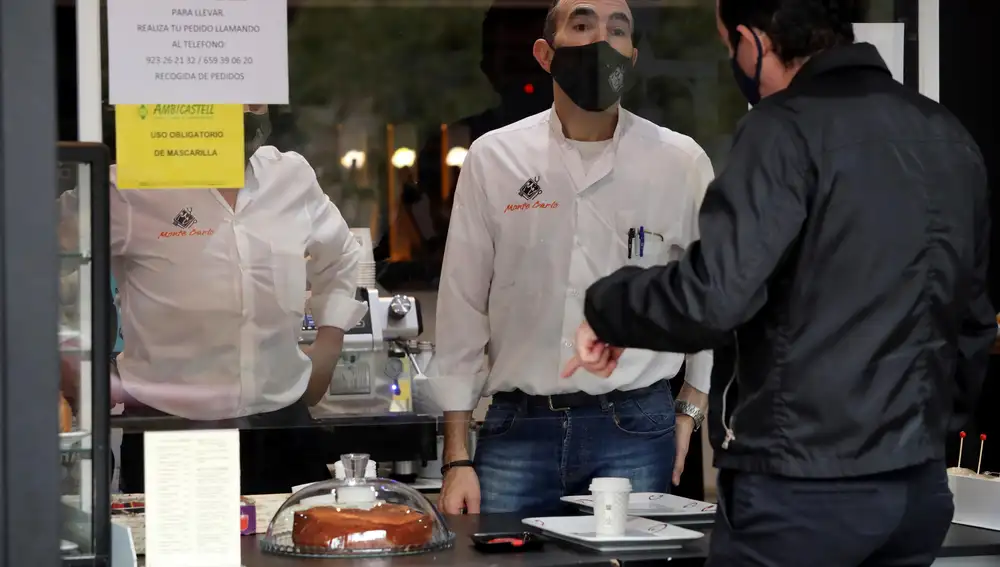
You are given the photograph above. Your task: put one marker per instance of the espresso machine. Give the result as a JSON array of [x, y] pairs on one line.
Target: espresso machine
[[369, 407]]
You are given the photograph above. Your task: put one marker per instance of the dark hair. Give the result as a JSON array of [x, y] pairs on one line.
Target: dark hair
[[797, 28], [552, 24]]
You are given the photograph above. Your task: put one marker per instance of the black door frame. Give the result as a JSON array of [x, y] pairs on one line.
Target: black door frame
[[29, 453]]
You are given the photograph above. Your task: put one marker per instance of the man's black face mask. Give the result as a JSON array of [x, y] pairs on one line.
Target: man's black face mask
[[749, 86], [594, 76]]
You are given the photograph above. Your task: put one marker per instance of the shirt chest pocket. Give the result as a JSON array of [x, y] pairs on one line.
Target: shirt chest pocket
[[526, 225], [644, 241]]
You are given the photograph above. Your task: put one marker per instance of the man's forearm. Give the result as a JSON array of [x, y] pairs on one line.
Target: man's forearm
[[456, 436], [691, 395], [325, 352]]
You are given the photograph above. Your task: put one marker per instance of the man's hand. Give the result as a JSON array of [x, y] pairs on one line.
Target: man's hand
[[324, 353], [682, 439], [592, 355], [685, 427], [460, 491]]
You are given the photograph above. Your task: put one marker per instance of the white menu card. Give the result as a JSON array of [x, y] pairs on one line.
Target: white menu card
[[192, 498]]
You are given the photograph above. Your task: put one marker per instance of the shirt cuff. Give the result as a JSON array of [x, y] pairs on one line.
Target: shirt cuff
[[699, 371], [337, 310], [448, 397]]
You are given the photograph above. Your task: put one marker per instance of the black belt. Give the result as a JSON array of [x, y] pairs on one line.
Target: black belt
[[564, 402]]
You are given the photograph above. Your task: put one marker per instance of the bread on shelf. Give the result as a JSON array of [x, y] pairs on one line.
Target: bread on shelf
[[65, 415]]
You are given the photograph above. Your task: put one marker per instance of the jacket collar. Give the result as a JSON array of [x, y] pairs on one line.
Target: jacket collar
[[858, 55]]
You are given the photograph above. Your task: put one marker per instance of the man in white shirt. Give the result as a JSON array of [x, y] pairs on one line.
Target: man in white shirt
[[543, 208], [212, 287]]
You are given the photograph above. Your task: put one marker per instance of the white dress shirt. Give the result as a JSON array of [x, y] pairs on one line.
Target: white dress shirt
[[537, 219], [212, 298]]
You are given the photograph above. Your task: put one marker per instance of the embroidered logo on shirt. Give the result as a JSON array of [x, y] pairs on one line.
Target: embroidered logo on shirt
[[514, 207], [530, 190], [185, 219]]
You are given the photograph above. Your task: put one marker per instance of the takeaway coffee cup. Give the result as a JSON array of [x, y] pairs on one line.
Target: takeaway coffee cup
[[610, 505]]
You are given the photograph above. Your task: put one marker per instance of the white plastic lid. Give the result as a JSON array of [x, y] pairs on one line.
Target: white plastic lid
[[610, 484], [356, 495]]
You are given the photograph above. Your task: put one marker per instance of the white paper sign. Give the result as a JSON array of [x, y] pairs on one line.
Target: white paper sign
[[198, 51], [890, 39], [192, 498]]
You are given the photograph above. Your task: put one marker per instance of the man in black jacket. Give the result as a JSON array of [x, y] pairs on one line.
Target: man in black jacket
[[843, 256]]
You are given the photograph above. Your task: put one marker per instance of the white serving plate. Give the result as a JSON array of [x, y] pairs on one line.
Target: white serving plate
[[655, 505], [640, 533]]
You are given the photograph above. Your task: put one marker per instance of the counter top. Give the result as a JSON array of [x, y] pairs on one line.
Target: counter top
[[134, 424], [962, 541], [463, 554], [967, 541]]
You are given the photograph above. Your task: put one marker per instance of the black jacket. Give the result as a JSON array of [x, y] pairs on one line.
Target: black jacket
[[845, 247]]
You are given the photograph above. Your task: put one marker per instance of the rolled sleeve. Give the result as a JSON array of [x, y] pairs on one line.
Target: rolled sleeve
[[458, 371], [337, 310], [334, 262], [698, 372]]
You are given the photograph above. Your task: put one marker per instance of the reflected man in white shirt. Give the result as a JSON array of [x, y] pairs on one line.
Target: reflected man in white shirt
[[543, 208], [212, 286]]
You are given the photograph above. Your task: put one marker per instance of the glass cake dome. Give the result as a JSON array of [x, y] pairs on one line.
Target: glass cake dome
[[356, 514]]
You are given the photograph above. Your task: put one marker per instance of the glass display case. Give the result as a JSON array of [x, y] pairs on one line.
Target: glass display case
[[85, 335], [356, 514]]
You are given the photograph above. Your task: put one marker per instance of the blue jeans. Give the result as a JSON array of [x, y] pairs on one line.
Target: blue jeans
[[528, 457]]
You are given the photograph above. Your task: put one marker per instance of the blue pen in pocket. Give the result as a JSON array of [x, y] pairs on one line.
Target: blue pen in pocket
[[642, 241]]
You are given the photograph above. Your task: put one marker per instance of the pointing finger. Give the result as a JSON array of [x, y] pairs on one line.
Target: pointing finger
[[571, 367]]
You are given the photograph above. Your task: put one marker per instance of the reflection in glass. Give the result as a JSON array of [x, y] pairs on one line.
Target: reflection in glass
[[471, 70]]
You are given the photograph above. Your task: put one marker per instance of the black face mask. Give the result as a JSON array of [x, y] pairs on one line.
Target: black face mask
[[749, 86], [256, 129], [594, 76]]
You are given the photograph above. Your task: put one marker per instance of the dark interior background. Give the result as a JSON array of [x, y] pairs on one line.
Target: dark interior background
[[968, 77]]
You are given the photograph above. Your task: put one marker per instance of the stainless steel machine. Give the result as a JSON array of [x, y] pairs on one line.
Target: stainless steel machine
[[371, 395], [373, 376]]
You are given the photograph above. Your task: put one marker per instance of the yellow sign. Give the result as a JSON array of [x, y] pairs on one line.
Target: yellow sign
[[179, 146]]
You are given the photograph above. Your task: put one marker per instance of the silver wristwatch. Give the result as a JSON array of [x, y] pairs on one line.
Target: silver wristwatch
[[690, 410]]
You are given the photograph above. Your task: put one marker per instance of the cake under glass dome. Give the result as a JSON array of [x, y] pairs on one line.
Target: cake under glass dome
[[355, 515]]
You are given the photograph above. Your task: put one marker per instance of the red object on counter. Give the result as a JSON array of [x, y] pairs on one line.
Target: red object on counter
[[513, 541], [982, 443]]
